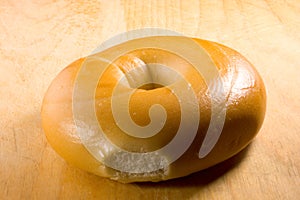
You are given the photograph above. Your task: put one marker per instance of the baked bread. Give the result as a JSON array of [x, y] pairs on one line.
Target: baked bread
[[198, 118]]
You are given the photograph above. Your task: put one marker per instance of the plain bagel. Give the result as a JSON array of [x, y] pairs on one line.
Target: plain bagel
[[245, 104]]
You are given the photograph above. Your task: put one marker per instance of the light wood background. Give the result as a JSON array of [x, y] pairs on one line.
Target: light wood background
[[39, 38]]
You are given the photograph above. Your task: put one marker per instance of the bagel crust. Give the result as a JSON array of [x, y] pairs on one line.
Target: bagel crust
[[245, 105]]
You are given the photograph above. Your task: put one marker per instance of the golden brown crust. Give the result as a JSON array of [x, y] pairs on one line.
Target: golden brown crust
[[245, 101]]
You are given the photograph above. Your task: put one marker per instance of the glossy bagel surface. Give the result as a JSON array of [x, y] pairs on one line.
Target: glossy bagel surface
[[244, 108]]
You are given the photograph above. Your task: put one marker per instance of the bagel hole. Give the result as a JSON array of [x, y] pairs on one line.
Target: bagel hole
[[150, 86]]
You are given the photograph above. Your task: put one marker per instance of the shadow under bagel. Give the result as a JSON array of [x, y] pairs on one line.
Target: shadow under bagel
[[185, 187], [203, 177]]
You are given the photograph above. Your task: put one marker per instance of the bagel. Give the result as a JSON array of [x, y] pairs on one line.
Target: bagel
[[154, 84]]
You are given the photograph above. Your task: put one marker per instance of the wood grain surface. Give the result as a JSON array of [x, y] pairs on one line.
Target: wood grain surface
[[39, 38]]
